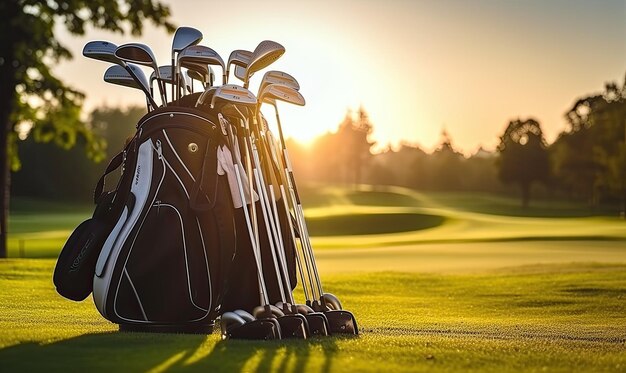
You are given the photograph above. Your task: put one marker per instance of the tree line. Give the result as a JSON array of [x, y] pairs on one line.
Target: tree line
[[587, 162]]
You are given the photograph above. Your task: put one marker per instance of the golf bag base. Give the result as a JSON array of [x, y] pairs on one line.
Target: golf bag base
[[199, 328]]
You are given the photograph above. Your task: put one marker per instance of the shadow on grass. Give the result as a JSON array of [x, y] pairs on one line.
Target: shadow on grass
[[151, 352]]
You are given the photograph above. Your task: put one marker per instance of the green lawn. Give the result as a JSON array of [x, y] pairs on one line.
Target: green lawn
[[367, 217], [555, 318], [438, 282]]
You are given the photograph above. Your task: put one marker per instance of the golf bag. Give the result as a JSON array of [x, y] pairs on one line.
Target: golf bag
[[165, 262]]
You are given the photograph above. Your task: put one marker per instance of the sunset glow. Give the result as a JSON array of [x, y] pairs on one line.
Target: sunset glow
[[416, 67]]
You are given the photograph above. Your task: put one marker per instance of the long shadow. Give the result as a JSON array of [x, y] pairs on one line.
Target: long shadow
[[113, 351], [150, 352], [263, 356]]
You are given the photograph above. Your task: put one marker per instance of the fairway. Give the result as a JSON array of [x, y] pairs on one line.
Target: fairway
[[445, 284], [554, 317]]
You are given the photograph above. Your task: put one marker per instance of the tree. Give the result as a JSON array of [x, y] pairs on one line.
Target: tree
[[353, 146], [30, 95], [596, 143], [523, 156], [51, 172]]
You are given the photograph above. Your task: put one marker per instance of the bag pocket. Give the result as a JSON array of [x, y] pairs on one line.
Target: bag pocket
[[73, 274]]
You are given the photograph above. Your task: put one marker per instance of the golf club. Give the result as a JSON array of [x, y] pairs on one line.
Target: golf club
[[183, 38], [105, 51], [118, 75], [264, 55], [341, 321], [141, 54], [290, 325], [238, 57], [200, 54]]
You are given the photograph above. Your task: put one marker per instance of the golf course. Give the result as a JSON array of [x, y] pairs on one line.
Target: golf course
[[437, 282]]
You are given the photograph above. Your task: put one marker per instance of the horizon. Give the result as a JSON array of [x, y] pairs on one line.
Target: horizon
[[416, 68]]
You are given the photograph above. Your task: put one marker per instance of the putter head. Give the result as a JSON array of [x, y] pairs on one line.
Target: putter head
[[318, 322], [331, 301], [138, 53], [235, 95], [118, 75], [184, 37], [102, 51], [294, 326], [278, 77], [234, 326], [341, 322], [282, 93], [264, 55]]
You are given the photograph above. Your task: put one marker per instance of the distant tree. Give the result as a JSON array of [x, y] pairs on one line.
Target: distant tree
[[446, 165], [353, 145], [51, 172], [523, 158], [30, 95], [592, 155]]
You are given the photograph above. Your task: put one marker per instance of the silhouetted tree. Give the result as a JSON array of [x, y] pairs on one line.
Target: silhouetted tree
[[523, 156], [353, 145], [592, 154], [30, 95]]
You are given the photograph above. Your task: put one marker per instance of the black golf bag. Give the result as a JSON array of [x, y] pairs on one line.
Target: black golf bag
[[168, 251]]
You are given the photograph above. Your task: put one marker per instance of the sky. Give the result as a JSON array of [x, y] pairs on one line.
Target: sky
[[416, 67]]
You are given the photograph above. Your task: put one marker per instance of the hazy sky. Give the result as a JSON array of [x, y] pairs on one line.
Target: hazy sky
[[416, 66]]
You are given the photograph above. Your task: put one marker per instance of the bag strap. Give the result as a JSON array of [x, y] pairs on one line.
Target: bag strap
[[113, 165]]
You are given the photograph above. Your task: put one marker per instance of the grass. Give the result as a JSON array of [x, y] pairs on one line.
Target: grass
[[567, 317], [438, 282], [364, 218]]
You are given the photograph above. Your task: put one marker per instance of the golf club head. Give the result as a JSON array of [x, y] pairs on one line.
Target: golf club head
[[331, 301], [239, 57], [341, 322], [234, 326], [318, 322], [264, 55], [278, 77], [201, 54], [184, 37], [244, 315], [240, 72], [118, 75], [138, 53], [294, 326], [282, 93], [198, 71], [234, 94], [165, 72], [195, 75], [102, 51]]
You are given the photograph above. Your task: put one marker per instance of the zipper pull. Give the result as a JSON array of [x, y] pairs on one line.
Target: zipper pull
[[158, 206], [159, 149]]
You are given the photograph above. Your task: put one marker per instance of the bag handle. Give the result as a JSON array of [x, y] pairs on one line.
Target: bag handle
[[113, 165]]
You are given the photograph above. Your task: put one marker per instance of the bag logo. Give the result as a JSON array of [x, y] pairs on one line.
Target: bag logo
[[80, 257]]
